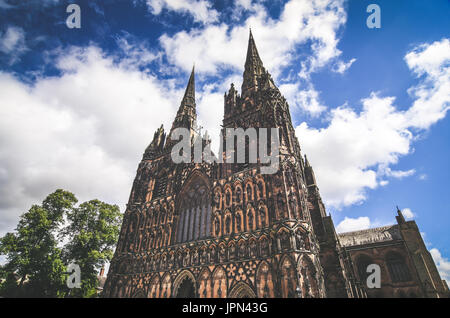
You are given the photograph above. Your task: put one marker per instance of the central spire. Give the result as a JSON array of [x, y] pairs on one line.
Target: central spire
[[253, 66], [189, 94], [186, 115]]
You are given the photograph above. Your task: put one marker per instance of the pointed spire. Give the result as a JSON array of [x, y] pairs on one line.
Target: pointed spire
[[189, 94], [307, 162], [253, 66], [400, 218], [186, 116]]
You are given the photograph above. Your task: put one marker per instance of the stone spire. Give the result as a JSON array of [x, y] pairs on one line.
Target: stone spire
[[400, 218], [189, 94], [253, 67], [310, 177], [187, 116]]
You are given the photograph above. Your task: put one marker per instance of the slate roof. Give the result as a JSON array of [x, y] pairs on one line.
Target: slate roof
[[369, 236]]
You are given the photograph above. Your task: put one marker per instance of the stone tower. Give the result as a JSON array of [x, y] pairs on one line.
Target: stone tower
[[226, 229]]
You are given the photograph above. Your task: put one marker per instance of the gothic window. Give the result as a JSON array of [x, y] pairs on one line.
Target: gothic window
[[363, 262], [205, 284], [219, 283], [160, 186], [194, 212], [288, 279], [397, 267], [264, 284]]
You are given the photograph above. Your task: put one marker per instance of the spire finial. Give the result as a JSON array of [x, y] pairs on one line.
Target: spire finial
[[186, 115], [306, 161], [400, 218], [253, 65], [190, 89]]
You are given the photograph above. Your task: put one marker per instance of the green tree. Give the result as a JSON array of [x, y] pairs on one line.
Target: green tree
[[32, 251], [93, 229], [37, 259]]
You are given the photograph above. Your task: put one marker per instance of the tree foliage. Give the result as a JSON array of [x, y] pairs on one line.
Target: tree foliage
[[37, 257]]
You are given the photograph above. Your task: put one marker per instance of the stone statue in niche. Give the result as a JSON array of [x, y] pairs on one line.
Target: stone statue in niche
[[238, 221], [228, 198], [249, 192], [217, 199], [261, 189], [238, 195], [265, 247], [202, 256], [232, 251], [186, 258], [284, 238], [293, 204], [217, 226], [171, 260], [180, 260], [262, 216], [242, 250], [213, 255], [195, 258], [222, 255], [250, 220], [252, 249], [299, 240], [280, 204]]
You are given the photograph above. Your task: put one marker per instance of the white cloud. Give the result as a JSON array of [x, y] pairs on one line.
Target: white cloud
[[431, 61], [299, 22], [306, 99], [407, 213], [84, 131], [442, 263], [353, 224], [12, 43], [399, 174], [311, 24], [423, 176], [341, 66], [136, 51], [356, 149], [200, 10]]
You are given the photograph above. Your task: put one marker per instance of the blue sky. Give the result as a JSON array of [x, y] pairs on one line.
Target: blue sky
[[79, 106]]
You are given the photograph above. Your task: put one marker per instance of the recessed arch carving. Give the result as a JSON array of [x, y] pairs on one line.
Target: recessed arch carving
[[242, 290]]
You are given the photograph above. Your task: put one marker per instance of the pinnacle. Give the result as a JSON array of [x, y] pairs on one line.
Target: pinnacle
[[253, 65], [189, 94]]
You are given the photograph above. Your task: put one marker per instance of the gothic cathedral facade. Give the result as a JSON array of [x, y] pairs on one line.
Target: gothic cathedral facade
[[225, 229]]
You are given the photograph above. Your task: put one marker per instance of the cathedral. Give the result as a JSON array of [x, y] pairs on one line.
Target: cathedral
[[218, 230]]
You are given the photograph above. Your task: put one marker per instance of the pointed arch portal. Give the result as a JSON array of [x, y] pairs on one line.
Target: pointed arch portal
[[242, 290]]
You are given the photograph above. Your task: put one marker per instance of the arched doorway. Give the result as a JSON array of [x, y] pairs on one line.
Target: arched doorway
[[186, 289], [242, 290], [184, 285]]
